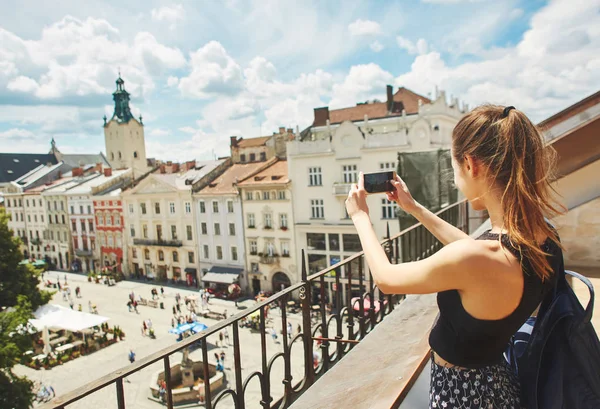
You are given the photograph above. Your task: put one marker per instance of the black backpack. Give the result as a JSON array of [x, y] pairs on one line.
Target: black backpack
[[557, 355]]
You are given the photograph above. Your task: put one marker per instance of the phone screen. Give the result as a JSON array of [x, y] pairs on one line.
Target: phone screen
[[379, 182]]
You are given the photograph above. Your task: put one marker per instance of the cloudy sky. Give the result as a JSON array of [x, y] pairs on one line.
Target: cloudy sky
[[200, 71]]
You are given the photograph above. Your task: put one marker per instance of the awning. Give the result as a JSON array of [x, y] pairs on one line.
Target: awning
[[221, 278], [226, 270], [195, 327], [56, 316], [190, 270]]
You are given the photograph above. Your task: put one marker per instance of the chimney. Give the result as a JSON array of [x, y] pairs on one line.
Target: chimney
[[190, 164], [321, 116], [98, 167], [281, 130], [162, 169], [290, 130], [233, 141], [390, 98], [77, 172], [107, 172], [175, 168]]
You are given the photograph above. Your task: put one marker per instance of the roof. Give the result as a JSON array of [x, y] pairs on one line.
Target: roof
[[252, 142], [99, 179], [224, 183], [178, 180], [409, 102], [571, 111], [76, 160], [15, 165], [48, 185], [223, 278], [68, 184], [36, 174], [277, 173]]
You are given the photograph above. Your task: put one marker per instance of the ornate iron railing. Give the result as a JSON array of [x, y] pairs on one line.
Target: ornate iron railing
[[165, 243], [322, 325]]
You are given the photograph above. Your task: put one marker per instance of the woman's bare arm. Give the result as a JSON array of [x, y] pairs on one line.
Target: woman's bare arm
[[441, 229]]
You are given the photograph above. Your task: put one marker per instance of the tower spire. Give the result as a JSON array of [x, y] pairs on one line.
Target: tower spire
[[121, 98]]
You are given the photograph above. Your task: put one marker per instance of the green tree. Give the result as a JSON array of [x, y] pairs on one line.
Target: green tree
[[20, 295]]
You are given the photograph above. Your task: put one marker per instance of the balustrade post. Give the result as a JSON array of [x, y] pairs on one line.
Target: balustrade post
[[305, 298]]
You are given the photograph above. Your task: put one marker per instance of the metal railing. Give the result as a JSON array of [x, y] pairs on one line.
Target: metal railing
[[359, 318], [158, 242]]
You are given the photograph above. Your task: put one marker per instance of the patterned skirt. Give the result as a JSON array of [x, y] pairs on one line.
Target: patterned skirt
[[491, 387]]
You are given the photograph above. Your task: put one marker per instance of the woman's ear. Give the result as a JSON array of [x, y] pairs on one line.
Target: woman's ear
[[472, 166]]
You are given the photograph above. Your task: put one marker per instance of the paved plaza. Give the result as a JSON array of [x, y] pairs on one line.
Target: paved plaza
[[111, 302]]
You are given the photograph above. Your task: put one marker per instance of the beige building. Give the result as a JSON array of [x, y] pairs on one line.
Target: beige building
[[124, 135], [160, 230], [341, 143], [269, 228], [262, 148]]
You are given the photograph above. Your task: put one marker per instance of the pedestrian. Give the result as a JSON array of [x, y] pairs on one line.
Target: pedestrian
[[58, 284], [162, 291], [289, 330], [144, 327], [64, 295], [172, 322], [221, 336], [135, 304], [131, 356], [71, 303], [129, 305], [178, 308], [149, 323], [226, 333], [77, 292], [79, 308], [223, 358], [65, 279], [274, 334], [174, 310], [68, 291], [225, 314]]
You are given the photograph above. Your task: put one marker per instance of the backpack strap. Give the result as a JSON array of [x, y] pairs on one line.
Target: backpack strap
[[589, 310]]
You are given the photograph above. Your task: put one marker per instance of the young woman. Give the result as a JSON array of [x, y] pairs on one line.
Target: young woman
[[487, 287]]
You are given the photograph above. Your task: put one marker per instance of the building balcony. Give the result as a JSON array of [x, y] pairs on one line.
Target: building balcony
[[341, 189], [162, 243], [36, 241], [83, 253], [266, 259]]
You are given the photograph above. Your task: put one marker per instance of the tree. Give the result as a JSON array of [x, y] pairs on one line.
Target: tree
[[19, 297]]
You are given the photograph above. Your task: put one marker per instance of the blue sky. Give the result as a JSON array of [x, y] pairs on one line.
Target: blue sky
[[200, 71]]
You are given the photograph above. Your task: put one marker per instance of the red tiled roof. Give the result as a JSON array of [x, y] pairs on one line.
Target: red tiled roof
[[408, 98], [224, 183], [276, 173], [252, 142]]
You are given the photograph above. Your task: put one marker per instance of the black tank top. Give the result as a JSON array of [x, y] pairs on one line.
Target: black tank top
[[465, 341]]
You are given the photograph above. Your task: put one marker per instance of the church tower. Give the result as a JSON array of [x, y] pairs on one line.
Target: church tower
[[124, 135]]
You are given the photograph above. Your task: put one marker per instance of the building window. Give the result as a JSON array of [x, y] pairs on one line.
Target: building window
[[251, 222], [62, 218], [157, 208], [188, 208], [72, 210], [108, 220], [248, 195], [219, 253], [205, 248], [242, 158], [316, 241], [120, 156], [254, 267], [80, 209], [147, 254], [110, 241], [159, 232], [387, 166], [130, 209], [173, 232], [83, 226], [215, 206], [202, 207], [217, 229], [161, 255], [145, 231], [253, 244], [117, 220], [29, 218], [230, 206], [175, 257], [350, 173], [188, 231], [268, 221], [263, 156], [317, 210], [135, 155], [134, 252], [172, 207], [265, 195], [204, 228], [35, 218], [283, 221], [281, 195], [190, 256], [132, 230], [285, 248], [351, 243], [252, 157], [91, 225], [27, 202], [234, 255], [143, 208], [89, 209], [232, 229], [388, 209], [314, 177]]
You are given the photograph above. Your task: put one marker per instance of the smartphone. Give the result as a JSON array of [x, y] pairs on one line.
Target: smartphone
[[379, 182]]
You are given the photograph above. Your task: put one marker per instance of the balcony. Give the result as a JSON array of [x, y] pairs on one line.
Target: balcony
[[162, 243], [266, 259], [352, 320], [83, 253], [341, 189], [36, 241]]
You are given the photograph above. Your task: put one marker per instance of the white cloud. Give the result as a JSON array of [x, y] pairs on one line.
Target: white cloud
[[364, 28], [169, 14], [376, 46], [172, 81], [420, 47], [213, 72], [363, 82], [453, 1], [159, 133]]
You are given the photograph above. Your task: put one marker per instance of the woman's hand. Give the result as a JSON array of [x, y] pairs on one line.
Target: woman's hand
[[402, 196], [356, 203]]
